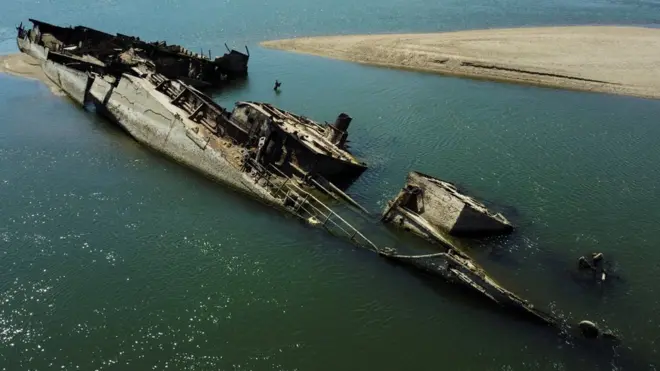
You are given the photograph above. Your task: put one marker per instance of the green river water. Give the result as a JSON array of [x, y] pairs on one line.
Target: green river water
[[114, 258]]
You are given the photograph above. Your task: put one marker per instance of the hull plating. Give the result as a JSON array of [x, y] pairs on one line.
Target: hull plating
[[144, 115]]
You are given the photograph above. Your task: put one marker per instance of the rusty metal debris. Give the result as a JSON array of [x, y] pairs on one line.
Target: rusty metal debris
[[456, 267]]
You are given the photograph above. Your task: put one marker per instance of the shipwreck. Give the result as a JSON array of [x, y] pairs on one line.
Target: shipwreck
[[252, 148], [172, 61], [283, 159], [432, 209]]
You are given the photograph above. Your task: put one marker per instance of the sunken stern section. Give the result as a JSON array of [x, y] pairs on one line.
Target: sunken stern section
[[430, 207]]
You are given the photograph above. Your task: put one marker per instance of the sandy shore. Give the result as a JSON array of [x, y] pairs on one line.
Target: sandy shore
[[619, 60], [23, 65]]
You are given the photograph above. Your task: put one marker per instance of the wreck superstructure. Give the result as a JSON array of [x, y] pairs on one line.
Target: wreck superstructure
[[311, 148], [173, 61], [434, 209]]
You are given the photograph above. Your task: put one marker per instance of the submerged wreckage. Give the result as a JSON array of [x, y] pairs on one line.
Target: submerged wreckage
[[431, 208], [278, 157], [103, 49]]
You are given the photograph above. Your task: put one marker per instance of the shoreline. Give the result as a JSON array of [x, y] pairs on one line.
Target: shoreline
[[608, 59]]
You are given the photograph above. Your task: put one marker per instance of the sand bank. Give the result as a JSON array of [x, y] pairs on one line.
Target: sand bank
[[23, 65], [619, 60]]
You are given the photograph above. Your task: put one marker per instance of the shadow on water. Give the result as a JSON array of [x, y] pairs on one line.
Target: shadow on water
[[231, 86], [509, 211]]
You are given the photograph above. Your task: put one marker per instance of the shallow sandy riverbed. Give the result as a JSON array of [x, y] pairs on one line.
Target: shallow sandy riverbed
[[23, 65], [619, 60]]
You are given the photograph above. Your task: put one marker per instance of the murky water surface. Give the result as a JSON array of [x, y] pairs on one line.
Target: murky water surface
[[113, 258]]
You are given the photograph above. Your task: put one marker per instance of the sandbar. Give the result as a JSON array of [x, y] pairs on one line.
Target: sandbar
[[23, 65], [609, 59]]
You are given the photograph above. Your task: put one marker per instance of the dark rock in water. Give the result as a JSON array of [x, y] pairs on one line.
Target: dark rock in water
[[583, 263], [589, 329], [597, 257], [596, 266]]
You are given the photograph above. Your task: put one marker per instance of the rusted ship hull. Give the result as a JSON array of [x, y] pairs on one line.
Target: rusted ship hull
[[458, 269], [172, 61], [152, 121], [148, 115]]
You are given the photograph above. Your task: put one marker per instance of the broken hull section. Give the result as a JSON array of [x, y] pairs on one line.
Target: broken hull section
[[458, 269], [73, 82], [430, 208], [148, 116]]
